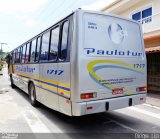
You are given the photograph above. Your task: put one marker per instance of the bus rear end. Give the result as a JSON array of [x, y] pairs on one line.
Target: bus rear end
[[111, 64]]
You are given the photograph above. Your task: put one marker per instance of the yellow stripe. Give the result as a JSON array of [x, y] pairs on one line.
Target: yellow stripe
[[45, 80], [48, 86], [129, 93], [45, 85], [24, 79], [60, 91], [91, 65], [42, 79]]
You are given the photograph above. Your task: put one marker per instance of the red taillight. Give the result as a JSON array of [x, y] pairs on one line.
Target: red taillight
[[142, 98], [141, 89], [89, 108], [88, 95]]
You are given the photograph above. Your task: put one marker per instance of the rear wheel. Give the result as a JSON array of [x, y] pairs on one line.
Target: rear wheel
[[12, 83], [32, 95]]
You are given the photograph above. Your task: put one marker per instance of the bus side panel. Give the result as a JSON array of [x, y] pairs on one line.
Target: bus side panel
[[48, 82], [64, 90], [17, 79], [26, 73]]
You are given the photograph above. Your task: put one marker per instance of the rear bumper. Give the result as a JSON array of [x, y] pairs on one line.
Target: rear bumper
[[98, 106]]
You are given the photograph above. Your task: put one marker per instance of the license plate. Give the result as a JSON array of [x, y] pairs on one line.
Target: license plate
[[117, 91]]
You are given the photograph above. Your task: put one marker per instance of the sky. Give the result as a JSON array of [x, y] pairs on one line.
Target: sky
[[20, 20]]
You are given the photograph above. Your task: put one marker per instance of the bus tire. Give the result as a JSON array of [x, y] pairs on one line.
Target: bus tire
[[12, 83], [32, 95]]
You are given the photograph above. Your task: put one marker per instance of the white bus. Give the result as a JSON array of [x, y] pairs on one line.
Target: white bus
[[89, 62]]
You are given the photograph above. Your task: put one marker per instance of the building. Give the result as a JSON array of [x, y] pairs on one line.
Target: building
[[147, 12]]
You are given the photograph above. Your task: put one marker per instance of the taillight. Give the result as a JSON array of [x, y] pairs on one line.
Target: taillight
[[141, 98], [88, 95], [89, 108], [141, 89]]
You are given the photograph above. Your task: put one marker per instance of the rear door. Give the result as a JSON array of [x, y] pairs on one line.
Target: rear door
[[113, 56]]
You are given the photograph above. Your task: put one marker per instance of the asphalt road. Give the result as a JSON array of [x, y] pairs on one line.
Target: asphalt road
[[18, 116]]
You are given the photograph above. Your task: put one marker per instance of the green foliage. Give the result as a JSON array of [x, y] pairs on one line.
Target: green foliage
[[3, 56]]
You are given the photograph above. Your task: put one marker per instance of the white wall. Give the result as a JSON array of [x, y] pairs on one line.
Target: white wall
[[127, 10]]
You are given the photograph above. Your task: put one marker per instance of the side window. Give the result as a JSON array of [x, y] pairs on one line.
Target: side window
[[33, 48], [27, 53], [23, 53], [45, 47], [18, 56], [13, 57], [143, 16], [16, 51], [64, 42], [37, 49], [146, 15], [136, 16], [54, 44]]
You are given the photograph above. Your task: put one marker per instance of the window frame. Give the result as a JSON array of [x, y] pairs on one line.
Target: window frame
[[56, 26], [141, 10], [34, 39], [37, 60], [67, 59], [15, 56], [44, 61], [28, 43], [21, 54], [24, 47], [134, 14], [39, 39], [18, 55], [145, 11]]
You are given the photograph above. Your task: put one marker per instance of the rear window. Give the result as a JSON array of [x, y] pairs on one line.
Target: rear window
[[111, 36]]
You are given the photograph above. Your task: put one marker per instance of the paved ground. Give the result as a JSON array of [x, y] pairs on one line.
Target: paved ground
[[18, 116], [153, 99]]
